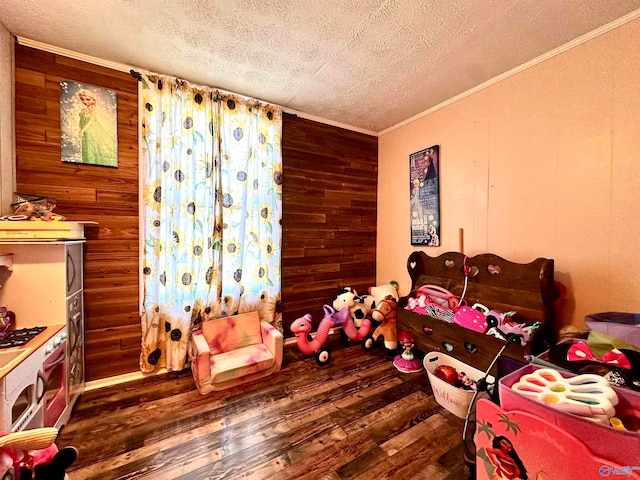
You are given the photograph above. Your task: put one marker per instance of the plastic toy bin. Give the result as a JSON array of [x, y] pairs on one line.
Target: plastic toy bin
[[622, 447], [625, 326], [453, 398]]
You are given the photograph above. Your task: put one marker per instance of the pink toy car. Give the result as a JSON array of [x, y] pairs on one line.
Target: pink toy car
[[502, 326]]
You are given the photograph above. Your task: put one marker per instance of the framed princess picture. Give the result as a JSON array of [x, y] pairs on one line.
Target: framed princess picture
[[88, 123], [424, 171]]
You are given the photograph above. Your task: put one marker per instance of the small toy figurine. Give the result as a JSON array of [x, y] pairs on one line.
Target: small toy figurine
[[466, 383], [406, 362]]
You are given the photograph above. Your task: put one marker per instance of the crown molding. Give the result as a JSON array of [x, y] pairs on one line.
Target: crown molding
[[27, 42]]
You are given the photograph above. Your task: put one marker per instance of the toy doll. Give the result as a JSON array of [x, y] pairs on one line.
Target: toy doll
[[406, 361]]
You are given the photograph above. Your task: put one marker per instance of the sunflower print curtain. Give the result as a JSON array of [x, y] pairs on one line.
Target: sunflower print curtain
[[212, 208]]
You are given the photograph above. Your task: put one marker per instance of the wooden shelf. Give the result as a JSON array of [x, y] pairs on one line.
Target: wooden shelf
[[44, 231]]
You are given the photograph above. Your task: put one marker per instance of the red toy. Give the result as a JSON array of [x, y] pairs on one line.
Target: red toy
[[446, 373]]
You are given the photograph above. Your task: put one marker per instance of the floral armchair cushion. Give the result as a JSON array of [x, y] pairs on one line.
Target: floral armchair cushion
[[232, 350]]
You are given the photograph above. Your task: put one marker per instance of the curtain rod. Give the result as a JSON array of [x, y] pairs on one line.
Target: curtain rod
[[219, 92]]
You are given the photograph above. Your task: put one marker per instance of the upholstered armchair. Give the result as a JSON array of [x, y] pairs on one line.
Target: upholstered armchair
[[229, 351]]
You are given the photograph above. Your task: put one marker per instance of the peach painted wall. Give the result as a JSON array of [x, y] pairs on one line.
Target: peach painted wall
[[545, 163]]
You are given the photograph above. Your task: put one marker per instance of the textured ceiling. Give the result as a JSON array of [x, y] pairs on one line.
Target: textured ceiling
[[368, 64]]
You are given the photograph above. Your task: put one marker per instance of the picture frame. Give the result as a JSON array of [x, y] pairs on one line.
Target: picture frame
[[424, 197], [88, 124]]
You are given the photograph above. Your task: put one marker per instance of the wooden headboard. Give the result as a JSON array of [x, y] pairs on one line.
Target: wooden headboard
[[526, 288]]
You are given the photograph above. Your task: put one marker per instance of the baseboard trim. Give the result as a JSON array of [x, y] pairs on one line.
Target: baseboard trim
[[132, 376], [118, 379]]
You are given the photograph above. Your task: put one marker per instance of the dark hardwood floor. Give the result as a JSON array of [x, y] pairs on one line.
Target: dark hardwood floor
[[355, 418]]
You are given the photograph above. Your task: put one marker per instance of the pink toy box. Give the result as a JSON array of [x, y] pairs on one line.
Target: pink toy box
[[517, 444], [622, 447]]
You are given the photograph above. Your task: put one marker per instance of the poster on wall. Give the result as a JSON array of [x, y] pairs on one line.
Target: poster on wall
[[88, 124], [424, 169]]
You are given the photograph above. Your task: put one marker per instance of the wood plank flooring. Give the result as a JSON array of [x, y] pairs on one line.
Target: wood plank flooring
[[355, 418]]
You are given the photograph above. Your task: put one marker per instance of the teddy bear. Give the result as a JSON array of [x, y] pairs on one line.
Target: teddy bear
[[381, 292], [348, 298]]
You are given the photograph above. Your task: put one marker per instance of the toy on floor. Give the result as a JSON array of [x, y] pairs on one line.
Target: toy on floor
[[358, 306], [354, 333], [380, 292], [315, 346], [407, 362], [33, 455], [385, 313]]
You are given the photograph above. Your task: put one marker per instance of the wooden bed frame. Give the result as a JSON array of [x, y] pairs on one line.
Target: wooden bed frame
[[499, 284]]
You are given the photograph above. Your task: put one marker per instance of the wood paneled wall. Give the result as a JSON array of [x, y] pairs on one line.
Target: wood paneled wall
[[329, 215], [105, 195], [329, 206]]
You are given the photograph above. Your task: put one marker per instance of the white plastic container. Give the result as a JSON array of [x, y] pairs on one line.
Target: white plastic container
[[453, 398]]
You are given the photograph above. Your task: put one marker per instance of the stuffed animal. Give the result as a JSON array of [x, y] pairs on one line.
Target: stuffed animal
[[386, 315], [368, 301], [348, 298], [362, 308], [345, 299], [384, 291], [32, 454]]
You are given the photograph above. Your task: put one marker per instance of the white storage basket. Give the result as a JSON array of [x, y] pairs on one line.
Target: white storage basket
[[453, 398]]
